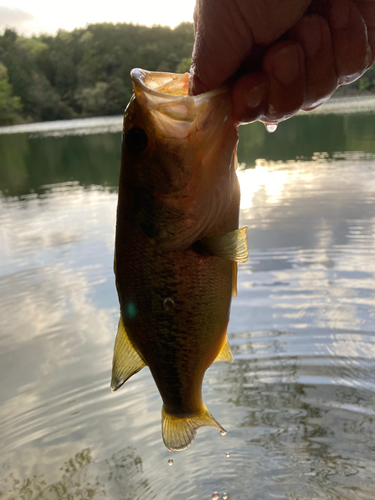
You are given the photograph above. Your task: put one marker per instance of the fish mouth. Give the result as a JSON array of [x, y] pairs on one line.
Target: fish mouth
[[156, 83], [166, 96], [161, 84]]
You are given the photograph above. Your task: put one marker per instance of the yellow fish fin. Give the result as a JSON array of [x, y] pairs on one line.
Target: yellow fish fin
[[226, 353], [230, 246], [126, 360], [234, 279], [180, 432]]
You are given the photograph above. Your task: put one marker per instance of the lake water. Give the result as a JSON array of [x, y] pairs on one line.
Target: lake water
[[299, 400]]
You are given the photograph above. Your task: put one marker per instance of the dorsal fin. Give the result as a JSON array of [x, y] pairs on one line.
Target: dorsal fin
[[126, 360]]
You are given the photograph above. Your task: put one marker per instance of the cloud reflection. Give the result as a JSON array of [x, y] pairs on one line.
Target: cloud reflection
[[312, 245]]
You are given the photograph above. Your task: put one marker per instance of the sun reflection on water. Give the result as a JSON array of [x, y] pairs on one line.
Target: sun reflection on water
[[263, 176]]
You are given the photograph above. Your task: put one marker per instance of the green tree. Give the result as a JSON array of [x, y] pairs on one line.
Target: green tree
[[184, 65], [32, 45], [93, 99], [10, 106]]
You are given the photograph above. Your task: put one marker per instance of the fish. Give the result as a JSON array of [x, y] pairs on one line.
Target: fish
[[178, 244]]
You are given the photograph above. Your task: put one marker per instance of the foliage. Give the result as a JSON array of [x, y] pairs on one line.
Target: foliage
[[10, 105], [184, 65], [31, 45], [84, 72]]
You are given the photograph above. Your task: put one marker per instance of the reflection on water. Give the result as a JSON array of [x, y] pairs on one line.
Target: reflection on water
[[306, 137], [299, 400], [27, 164], [82, 479]]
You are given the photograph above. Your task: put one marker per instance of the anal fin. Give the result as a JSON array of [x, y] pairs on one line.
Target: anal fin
[[126, 360], [180, 432], [234, 279], [226, 353]]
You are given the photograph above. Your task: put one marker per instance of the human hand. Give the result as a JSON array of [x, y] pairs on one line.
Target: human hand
[[284, 56]]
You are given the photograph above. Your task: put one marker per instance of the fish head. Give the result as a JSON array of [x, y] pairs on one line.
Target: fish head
[[178, 158]]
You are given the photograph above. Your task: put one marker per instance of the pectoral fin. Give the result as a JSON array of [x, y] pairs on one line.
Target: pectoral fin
[[230, 246], [225, 354], [126, 360], [180, 432]]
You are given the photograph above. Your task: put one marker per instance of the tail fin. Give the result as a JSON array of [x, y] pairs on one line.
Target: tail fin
[[179, 432]]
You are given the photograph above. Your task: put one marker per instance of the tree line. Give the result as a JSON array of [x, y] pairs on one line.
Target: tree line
[[85, 72]]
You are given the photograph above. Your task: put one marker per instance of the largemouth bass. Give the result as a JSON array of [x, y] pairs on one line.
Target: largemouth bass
[[177, 244]]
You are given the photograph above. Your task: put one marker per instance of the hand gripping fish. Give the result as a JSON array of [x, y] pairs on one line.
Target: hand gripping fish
[[177, 244]]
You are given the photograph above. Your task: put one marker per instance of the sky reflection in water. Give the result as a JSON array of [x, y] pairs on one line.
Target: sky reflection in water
[[299, 400]]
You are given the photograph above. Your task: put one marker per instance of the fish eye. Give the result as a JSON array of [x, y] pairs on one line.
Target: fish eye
[[136, 140]]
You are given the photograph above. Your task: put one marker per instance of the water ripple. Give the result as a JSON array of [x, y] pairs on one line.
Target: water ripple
[[298, 401]]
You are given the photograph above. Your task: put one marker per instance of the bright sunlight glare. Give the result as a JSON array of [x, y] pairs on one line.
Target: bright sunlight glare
[[265, 177], [41, 16]]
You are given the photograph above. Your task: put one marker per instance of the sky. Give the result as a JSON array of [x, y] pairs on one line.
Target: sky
[[41, 16]]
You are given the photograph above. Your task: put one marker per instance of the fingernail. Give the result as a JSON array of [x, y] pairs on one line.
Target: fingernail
[[286, 64]]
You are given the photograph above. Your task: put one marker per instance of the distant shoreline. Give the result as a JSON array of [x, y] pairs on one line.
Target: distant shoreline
[[113, 124], [339, 105]]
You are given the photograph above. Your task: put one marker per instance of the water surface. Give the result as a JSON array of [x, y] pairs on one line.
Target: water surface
[[299, 400]]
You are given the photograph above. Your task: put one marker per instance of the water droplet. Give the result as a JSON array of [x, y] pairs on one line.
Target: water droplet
[[170, 461], [215, 495], [227, 454], [223, 432], [271, 127], [168, 304], [225, 496]]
